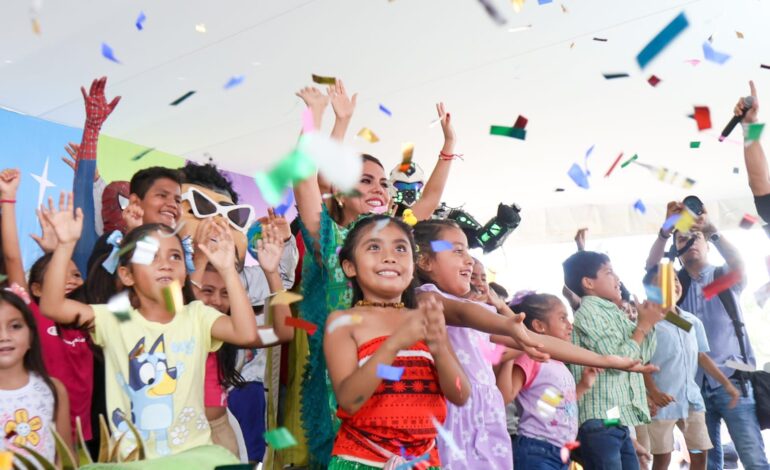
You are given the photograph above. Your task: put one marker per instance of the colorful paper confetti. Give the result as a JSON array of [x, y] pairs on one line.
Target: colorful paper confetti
[[764, 66], [747, 221], [182, 98], [142, 154], [678, 321], [721, 284], [585, 160], [280, 438], [640, 207], [514, 132], [695, 144], [521, 123], [754, 131], [437, 246], [653, 294], [172, 297], [614, 164], [140, 21], [36, 26], [685, 221], [284, 207], [653, 80], [710, 54], [612, 76], [565, 451], [391, 373], [108, 53], [234, 81], [120, 306], [702, 117], [662, 40], [739, 34], [311, 328], [321, 80], [578, 176], [493, 13], [407, 151], [629, 161], [368, 135], [145, 251], [411, 463], [446, 436], [285, 297], [600, 39], [200, 27], [344, 320], [613, 417], [385, 110], [267, 336]]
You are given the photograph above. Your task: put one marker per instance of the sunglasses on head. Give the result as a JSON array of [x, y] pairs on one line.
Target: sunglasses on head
[[203, 207]]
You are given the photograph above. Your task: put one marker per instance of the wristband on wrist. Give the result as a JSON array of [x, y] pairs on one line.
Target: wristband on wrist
[[449, 156], [662, 235], [9, 201]]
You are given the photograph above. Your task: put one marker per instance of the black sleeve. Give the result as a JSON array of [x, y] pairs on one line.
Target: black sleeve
[[763, 207]]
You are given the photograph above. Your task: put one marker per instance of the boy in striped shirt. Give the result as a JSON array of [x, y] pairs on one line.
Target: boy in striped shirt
[[601, 326]]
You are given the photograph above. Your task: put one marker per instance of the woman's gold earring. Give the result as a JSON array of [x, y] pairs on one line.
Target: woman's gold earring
[[340, 203]]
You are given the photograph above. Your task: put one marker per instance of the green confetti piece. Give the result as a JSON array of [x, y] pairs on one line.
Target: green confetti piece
[[629, 161], [514, 132], [280, 438], [141, 154], [611, 422], [695, 144], [126, 249], [293, 167], [678, 321], [755, 131]]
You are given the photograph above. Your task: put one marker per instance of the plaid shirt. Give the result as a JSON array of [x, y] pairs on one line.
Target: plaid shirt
[[602, 327]]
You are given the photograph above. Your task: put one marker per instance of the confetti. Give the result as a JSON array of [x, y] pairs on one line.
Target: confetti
[[514, 132], [446, 436], [585, 159], [578, 176], [493, 13], [614, 164], [521, 123], [280, 438], [285, 297], [182, 98], [385, 110], [142, 154], [662, 40], [736, 170], [739, 366], [692, 62], [340, 164], [140, 21], [302, 324], [653, 80], [613, 417], [629, 161], [284, 207], [747, 221], [411, 463], [145, 251], [552, 396], [544, 2], [176, 231], [491, 352], [267, 336], [407, 151], [321, 80], [639, 207], [409, 218], [713, 56], [702, 117], [739, 34], [36, 26], [678, 321], [685, 221], [754, 131], [721, 284], [695, 144], [368, 135], [200, 27], [518, 29], [438, 246], [108, 53], [391, 373], [653, 294], [563, 8], [344, 320], [234, 81], [172, 297], [120, 306], [764, 66], [612, 76], [600, 39]]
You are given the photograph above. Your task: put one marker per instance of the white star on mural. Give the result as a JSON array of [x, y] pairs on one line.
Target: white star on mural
[[43, 182]]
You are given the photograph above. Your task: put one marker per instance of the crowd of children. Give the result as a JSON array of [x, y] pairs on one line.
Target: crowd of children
[[408, 357]]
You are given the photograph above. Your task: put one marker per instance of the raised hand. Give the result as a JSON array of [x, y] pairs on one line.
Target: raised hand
[[73, 149], [414, 328], [133, 215], [342, 104], [529, 345], [751, 116], [9, 183], [47, 240], [269, 249], [435, 333], [282, 226], [66, 222], [446, 123], [219, 247], [589, 376], [97, 108], [315, 100]]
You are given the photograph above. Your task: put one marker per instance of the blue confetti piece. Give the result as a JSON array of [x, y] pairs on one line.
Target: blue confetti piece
[[713, 56], [281, 210], [585, 160], [639, 206], [385, 110], [140, 21], [389, 372], [654, 294], [411, 463], [662, 40], [544, 2], [578, 176], [671, 221], [108, 53], [440, 245], [234, 81]]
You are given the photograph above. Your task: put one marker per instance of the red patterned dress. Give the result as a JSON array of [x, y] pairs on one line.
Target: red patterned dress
[[396, 417]]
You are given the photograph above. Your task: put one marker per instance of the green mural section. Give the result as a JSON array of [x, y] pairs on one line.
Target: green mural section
[[119, 159]]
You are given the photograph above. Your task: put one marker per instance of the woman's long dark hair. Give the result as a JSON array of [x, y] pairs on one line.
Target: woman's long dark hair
[[348, 249], [33, 358]]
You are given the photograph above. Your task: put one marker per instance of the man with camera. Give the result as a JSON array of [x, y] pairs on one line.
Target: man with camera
[[722, 318]]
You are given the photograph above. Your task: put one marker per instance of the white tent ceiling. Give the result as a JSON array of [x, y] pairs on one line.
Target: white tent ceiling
[[407, 55]]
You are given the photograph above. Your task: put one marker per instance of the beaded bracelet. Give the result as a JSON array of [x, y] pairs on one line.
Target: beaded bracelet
[[449, 156]]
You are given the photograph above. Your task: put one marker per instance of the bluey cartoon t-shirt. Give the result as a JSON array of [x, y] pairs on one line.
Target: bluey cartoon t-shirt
[[155, 375]]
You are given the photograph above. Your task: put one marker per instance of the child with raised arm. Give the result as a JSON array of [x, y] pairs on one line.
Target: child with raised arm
[[385, 416], [155, 352]]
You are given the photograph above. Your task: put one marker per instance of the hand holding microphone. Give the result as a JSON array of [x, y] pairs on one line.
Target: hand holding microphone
[[746, 111]]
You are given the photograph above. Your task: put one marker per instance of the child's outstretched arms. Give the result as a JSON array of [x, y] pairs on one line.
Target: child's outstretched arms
[[452, 379], [434, 187], [239, 327], [269, 251], [67, 223]]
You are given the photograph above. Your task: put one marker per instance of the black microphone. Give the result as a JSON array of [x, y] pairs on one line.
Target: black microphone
[[748, 102]]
